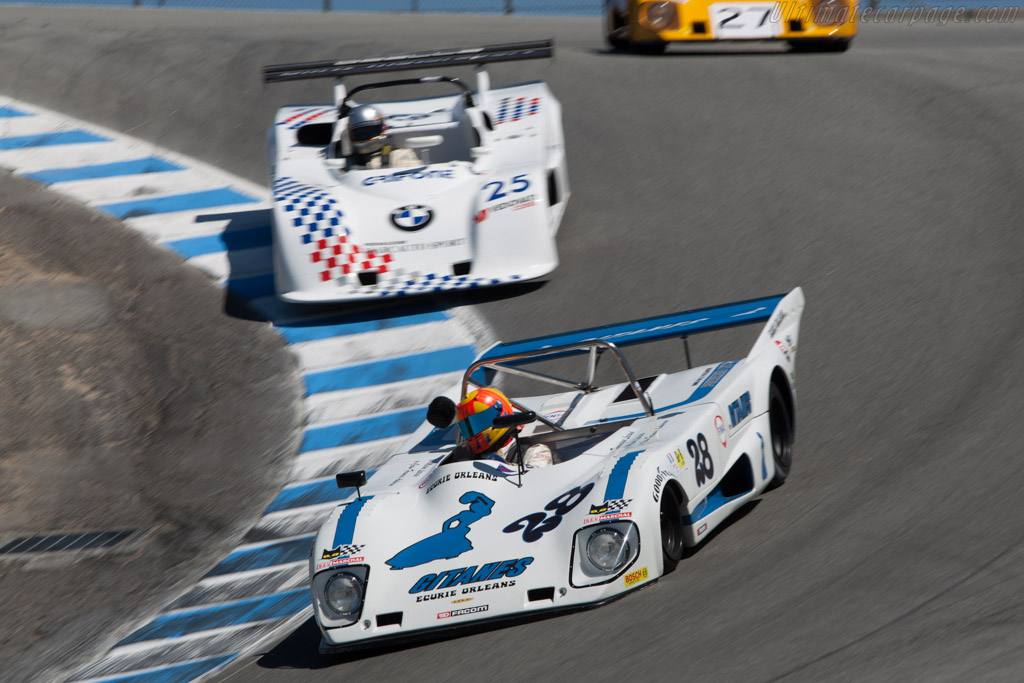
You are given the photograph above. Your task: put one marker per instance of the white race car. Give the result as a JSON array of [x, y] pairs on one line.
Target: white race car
[[641, 469], [477, 199]]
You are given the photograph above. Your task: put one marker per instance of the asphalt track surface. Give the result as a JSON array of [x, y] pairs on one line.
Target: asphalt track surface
[[885, 182]]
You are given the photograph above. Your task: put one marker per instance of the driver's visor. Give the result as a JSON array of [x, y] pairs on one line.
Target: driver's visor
[[478, 422]]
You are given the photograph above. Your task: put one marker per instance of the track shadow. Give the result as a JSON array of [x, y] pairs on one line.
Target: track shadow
[[723, 50], [740, 513], [249, 287], [300, 650]]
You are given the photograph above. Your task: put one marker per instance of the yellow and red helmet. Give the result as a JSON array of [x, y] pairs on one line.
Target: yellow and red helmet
[[476, 413]]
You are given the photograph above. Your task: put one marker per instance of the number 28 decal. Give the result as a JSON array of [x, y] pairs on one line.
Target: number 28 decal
[[703, 466], [537, 524], [519, 183]]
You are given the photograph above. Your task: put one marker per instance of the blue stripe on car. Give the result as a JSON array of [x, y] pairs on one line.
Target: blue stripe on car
[[617, 479], [346, 528]]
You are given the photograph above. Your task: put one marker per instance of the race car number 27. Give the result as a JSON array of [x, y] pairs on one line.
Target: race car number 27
[[745, 19], [703, 465], [537, 524], [519, 183]]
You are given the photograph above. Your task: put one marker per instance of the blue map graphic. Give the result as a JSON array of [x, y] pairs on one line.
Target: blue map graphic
[[452, 541]]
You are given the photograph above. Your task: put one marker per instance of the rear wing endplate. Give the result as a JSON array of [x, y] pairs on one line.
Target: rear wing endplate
[[673, 325], [509, 52]]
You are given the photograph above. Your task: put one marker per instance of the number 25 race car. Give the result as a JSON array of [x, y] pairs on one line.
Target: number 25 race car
[[376, 197], [438, 538]]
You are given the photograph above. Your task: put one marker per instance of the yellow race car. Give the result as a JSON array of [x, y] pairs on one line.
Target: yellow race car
[[807, 25]]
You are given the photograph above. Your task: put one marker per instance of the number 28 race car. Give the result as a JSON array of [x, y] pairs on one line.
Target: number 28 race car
[[437, 538], [807, 25], [376, 197]]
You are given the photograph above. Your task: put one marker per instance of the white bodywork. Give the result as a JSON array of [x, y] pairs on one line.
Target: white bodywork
[[488, 177], [441, 544]]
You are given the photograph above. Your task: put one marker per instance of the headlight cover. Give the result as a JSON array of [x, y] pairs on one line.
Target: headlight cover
[[830, 12], [344, 593], [339, 594], [659, 16], [602, 552], [607, 549]]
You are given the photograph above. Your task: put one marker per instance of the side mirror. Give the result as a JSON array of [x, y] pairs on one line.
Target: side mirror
[[441, 412], [514, 420], [348, 480]]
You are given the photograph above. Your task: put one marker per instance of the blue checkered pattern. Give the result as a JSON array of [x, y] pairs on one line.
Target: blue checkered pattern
[[310, 209]]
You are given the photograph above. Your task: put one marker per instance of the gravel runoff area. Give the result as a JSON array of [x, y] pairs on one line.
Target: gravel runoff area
[[132, 402]]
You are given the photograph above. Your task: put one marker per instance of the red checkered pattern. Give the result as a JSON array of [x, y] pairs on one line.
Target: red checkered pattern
[[337, 256]]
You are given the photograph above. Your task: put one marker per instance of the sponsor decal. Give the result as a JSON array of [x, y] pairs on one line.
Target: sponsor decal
[[437, 174], [774, 326], [455, 602], [684, 323], [462, 475], [782, 347], [407, 117], [680, 458], [469, 576], [320, 566], [739, 410], [633, 578], [462, 612], [420, 246], [720, 428], [702, 528], [342, 555], [515, 204], [659, 481], [607, 517], [452, 540], [707, 371], [610, 506], [342, 551], [539, 523], [411, 217]]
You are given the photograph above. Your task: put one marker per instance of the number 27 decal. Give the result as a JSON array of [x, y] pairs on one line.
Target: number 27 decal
[[519, 183]]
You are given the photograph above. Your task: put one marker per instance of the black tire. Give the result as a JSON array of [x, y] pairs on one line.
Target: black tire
[[671, 528], [821, 45], [650, 48], [616, 31], [780, 419]]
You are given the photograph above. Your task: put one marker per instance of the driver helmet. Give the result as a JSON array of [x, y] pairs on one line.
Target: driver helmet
[[366, 129], [476, 413]]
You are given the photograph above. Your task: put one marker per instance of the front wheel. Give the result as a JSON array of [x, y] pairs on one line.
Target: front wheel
[[671, 529], [780, 419]]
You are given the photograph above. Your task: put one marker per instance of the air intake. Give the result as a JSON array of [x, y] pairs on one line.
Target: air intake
[[389, 619]]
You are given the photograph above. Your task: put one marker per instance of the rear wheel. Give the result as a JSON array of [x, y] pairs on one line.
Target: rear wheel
[[671, 528], [780, 419]]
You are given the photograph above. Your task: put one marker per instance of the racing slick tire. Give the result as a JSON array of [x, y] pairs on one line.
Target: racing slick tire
[[616, 31], [820, 45], [671, 528], [780, 419]]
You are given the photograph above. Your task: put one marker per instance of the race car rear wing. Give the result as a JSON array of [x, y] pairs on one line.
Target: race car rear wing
[[644, 330], [472, 56]]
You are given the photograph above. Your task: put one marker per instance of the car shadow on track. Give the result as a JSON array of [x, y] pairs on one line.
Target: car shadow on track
[[249, 284], [740, 513], [300, 650], [723, 50]]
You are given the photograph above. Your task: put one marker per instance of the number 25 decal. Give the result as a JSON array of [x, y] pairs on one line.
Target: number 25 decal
[[519, 184], [703, 466], [537, 524]]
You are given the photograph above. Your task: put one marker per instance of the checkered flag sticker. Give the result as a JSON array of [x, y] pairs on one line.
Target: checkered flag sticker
[[342, 551], [610, 506]]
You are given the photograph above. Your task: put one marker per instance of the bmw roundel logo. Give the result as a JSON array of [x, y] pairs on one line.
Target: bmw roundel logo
[[411, 218]]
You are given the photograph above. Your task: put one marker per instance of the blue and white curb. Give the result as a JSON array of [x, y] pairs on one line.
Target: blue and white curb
[[366, 381]]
